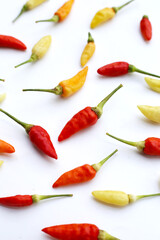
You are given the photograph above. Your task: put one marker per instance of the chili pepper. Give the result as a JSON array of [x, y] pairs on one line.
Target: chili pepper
[[80, 231], [150, 146], [81, 174], [30, 4], [120, 68], [154, 84], [106, 14], [11, 42], [1, 162], [61, 13], [88, 50], [38, 136], [150, 112], [27, 200], [2, 97], [6, 147], [39, 50], [84, 118], [118, 198], [146, 28], [67, 87]]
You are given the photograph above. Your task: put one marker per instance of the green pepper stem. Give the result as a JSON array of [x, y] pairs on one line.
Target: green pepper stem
[[57, 90], [140, 145], [2, 80], [36, 198], [55, 19], [25, 125], [132, 68], [97, 166], [33, 58], [149, 195], [90, 38], [99, 108], [24, 9], [116, 9], [103, 235]]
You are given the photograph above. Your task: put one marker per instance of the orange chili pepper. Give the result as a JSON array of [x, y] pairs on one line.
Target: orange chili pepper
[[61, 13], [6, 147]]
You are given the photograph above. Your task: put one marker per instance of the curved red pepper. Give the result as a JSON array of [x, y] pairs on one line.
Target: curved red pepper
[[84, 119], [81, 231], [150, 146], [80, 174], [11, 42], [38, 136], [120, 68], [146, 28]]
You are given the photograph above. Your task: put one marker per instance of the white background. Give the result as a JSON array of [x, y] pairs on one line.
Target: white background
[[27, 171]]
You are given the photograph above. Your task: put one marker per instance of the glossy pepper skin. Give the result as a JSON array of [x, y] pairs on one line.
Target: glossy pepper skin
[[120, 68], [80, 174], [146, 28], [154, 84], [150, 112], [105, 15], [81, 231], [27, 200], [61, 14], [39, 50], [38, 136], [88, 50], [67, 87], [30, 4], [151, 146], [6, 147], [11, 42], [84, 118], [118, 198]]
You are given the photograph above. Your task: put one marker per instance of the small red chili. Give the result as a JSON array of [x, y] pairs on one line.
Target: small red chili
[[120, 68], [85, 118], [81, 231], [80, 174], [11, 42], [146, 28], [151, 146], [26, 200], [37, 135]]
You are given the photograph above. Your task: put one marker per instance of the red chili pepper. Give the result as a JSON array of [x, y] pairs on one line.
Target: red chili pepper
[[37, 135], [120, 68], [146, 28], [26, 200], [11, 42], [80, 174], [85, 118], [151, 146], [81, 231]]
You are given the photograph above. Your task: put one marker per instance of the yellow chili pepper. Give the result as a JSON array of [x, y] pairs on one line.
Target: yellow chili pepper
[[118, 198], [29, 6], [61, 13], [105, 15], [88, 50], [1, 162], [67, 87], [2, 97], [39, 50], [150, 112], [154, 84]]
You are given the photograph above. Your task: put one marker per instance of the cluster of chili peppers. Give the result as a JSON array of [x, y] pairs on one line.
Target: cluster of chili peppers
[[83, 119]]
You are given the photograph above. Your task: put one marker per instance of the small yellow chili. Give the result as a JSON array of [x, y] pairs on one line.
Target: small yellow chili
[[29, 6], [61, 13], [1, 162], [39, 50], [88, 50], [118, 198], [154, 84], [2, 97], [105, 15], [150, 112], [67, 87]]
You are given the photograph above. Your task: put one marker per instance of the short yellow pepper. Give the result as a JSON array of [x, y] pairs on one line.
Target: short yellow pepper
[[88, 50], [150, 112], [154, 84]]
